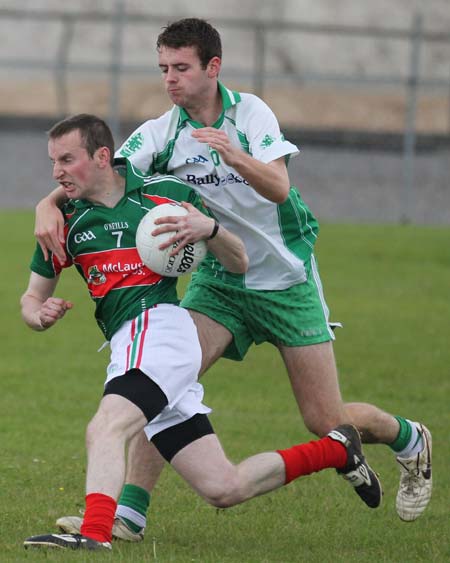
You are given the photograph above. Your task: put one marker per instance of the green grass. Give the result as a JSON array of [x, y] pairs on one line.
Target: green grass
[[389, 285]]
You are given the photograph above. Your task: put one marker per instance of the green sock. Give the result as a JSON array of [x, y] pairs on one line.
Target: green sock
[[132, 506], [404, 435]]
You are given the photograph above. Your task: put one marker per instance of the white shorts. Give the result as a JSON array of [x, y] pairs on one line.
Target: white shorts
[[163, 343]]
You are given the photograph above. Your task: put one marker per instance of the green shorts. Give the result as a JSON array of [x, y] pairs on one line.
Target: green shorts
[[297, 316]]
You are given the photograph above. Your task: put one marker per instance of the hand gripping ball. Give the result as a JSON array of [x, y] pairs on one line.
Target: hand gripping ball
[[160, 261]]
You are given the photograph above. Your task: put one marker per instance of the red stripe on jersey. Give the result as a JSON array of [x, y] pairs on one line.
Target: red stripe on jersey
[[114, 269], [160, 200]]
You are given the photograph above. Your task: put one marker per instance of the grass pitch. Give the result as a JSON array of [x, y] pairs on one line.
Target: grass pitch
[[389, 285]]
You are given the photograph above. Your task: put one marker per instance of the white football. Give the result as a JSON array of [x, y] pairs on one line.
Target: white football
[[158, 260]]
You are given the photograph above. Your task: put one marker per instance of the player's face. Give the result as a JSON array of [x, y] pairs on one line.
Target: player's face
[[73, 168], [186, 82]]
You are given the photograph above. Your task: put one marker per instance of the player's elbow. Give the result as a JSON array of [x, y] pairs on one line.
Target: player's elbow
[[244, 264], [27, 311], [280, 199], [24, 305], [281, 194]]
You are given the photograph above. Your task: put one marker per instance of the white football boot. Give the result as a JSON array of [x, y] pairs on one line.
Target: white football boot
[[416, 481]]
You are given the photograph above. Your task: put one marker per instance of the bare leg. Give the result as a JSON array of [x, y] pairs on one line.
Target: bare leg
[[314, 379], [145, 464], [204, 465], [115, 422], [375, 425], [214, 339]]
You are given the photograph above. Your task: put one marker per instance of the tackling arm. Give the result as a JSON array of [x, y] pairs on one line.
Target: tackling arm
[[49, 224], [229, 250], [39, 309], [271, 180]]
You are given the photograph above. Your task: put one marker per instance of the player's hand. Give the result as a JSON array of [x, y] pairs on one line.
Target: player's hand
[[219, 141], [49, 230], [187, 229], [52, 310]]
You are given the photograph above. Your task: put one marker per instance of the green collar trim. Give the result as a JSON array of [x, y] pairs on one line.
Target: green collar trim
[[229, 99]]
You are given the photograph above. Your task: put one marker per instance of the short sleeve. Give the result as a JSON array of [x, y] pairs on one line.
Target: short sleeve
[[262, 131]]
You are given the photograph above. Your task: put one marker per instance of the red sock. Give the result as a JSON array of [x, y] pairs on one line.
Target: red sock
[[99, 517], [313, 456]]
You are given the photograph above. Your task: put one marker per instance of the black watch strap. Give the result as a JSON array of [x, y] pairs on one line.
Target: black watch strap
[[214, 231]]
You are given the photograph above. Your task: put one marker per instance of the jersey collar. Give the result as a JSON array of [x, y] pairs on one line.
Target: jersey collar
[[229, 99], [133, 176]]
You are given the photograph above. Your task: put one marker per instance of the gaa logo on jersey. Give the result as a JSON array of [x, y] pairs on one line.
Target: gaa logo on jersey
[[84, 237], [95, 277], [199, 159]]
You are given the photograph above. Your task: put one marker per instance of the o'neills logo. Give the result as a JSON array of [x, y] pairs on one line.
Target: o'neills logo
[[170, 263], [95, 277], [118, 267]]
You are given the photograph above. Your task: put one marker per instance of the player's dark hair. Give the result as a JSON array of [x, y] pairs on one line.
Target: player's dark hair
[[192, 32], [93, 131]]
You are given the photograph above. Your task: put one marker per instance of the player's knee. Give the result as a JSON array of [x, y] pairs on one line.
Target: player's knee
[[321, 425], [223, 491]]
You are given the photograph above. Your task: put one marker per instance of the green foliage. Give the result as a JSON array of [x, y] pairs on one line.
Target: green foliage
[[389, 285]]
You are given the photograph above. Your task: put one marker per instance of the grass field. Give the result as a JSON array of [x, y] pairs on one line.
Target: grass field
[[389, 285]]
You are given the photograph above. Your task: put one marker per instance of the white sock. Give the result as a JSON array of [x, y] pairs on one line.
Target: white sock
[[415, 444], [132, 515]]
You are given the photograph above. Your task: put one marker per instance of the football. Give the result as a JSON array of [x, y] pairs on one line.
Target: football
[[160, 261]]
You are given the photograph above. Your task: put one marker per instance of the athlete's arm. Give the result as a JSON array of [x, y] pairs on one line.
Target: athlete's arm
[[195, 226], [49, 224], [39, 309], [271, 180], [229, 250]]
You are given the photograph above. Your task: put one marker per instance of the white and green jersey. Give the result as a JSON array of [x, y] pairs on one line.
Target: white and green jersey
[[278, 238]]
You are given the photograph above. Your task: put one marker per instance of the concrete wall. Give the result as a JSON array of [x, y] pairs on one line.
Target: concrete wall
[[286, 51]]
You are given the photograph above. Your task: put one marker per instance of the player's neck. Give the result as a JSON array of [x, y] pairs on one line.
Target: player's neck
[[111, 190], [207, 111]]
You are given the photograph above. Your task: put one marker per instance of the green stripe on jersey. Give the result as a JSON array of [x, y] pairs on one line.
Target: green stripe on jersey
[[161, 161], [244, 141], [295, 217]]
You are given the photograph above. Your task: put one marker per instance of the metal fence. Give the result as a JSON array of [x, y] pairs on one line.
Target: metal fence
[[415, 37]]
